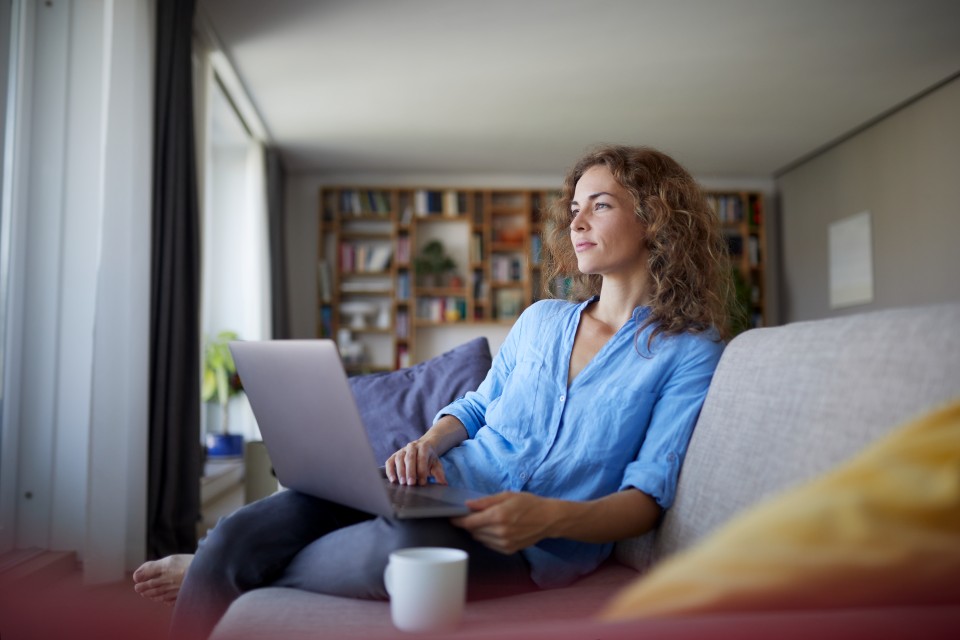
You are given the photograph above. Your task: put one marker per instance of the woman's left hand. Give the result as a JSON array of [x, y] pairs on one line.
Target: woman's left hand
[[508, 522]]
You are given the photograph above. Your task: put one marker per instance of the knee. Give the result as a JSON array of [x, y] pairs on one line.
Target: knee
[[228, 553], [231, 537], [246, 529], [392, 535]]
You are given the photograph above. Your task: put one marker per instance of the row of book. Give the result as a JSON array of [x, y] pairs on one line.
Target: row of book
[[734, 208], [403, 250], [403, 285], [449, 202], [735, 247], [508, 303], [402, 328], [442, 309], [425, 201], [506, 268], [480, 285], [476, 248], [364, 257], [324, 286], [729, 208], [364, 202], [326, 322]]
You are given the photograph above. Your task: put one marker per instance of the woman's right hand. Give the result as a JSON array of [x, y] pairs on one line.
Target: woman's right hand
[[416, 464]]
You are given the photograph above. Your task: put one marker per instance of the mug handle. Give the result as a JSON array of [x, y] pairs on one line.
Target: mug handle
[[386, 578]]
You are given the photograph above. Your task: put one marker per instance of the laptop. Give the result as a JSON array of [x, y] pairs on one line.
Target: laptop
[[315, 437]]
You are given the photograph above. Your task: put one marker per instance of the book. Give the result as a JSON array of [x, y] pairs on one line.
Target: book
[[476, 248], [451, 204], [378, 258], [323, 281], [403, 285], [509, 304], [326, 322], [428, 202]]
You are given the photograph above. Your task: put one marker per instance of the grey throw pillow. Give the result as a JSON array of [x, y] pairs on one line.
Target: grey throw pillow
[[398, 406]]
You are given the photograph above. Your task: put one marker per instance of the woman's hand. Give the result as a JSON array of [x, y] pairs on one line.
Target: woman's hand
[[508, 522], [415, 464]]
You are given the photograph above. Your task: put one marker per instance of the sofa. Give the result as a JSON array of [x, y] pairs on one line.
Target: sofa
[[787, 405]]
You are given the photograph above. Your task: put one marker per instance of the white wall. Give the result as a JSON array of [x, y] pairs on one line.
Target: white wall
[[905, 170], [78, 315]]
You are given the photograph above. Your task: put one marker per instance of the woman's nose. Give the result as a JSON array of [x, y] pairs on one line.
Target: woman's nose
[[577, 223]]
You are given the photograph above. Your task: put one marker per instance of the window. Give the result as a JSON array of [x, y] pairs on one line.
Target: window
[[236, 269]]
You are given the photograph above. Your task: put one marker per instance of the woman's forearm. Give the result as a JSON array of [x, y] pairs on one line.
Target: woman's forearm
[[614, 517], [508, 522], [445, 434]]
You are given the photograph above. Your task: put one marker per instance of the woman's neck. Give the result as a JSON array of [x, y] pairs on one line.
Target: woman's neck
[[618, 299]]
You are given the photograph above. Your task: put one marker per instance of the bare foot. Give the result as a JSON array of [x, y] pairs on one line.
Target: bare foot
[[160, 580]]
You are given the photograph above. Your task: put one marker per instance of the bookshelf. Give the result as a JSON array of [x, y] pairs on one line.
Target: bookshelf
[[742, 218], [373, 301]]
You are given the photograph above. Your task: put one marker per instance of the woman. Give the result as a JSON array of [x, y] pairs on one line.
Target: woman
[[578, 431]]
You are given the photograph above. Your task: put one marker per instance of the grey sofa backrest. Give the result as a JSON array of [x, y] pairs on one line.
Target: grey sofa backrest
[[788, 403]]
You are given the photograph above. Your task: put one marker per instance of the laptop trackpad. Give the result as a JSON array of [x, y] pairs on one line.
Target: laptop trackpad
[[430, 501]]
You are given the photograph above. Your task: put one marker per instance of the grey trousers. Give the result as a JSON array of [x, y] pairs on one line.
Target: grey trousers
[[290, 539]]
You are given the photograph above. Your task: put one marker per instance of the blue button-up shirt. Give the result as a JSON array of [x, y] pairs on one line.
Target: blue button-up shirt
[[623, 422]]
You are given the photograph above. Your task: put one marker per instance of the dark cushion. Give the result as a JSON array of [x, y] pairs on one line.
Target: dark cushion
[[398, 406]]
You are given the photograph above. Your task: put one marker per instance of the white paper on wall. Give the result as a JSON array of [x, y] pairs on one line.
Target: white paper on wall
[[851, 261]]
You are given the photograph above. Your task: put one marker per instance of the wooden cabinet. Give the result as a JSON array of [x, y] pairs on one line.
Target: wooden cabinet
[[373, 299]]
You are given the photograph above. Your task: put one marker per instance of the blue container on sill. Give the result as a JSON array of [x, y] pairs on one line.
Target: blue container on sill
[[221, 445]]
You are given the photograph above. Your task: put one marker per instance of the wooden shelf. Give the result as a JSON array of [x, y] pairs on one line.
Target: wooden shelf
[[495, 238]]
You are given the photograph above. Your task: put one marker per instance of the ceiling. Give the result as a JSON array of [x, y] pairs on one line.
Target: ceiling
[[729, 87]]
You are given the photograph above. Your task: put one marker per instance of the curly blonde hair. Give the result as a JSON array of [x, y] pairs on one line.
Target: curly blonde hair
[[691, 283]]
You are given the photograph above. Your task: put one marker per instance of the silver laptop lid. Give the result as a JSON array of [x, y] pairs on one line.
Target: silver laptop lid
[[309, 421]]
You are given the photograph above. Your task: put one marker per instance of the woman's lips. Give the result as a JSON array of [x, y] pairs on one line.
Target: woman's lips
[[583, 246]]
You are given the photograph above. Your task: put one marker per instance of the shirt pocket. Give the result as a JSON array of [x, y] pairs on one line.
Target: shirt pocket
[[625, 421], [512, 413]]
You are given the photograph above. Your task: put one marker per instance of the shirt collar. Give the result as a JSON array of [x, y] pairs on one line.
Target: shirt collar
[[639, 314]]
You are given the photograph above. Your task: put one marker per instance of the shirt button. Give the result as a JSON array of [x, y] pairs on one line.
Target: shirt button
[[523, 475], [563, 398]]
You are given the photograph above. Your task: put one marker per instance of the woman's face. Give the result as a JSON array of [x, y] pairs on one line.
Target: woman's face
[[607, 235]]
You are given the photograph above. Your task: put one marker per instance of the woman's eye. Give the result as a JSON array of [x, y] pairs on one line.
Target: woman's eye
[[600, 205], [574, 213]]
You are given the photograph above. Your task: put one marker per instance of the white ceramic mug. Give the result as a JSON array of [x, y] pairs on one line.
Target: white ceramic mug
[[427, 587]]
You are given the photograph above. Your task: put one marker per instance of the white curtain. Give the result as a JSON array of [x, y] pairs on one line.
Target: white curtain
[[76, 381]]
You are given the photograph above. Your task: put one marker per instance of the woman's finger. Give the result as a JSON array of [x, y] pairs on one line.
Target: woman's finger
[[390, 467], [436, 470], [411, 463]]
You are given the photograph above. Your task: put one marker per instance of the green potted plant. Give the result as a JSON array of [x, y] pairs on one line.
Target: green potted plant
[[220, 383], [433, 265], [740, 307]]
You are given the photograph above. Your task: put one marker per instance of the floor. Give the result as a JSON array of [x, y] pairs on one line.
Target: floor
[[65, 608], [62, 607]]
